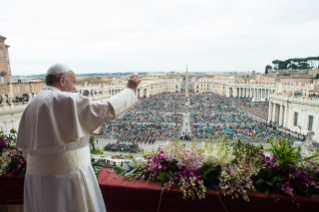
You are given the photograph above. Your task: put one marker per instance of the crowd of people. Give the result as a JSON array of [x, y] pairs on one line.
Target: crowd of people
[[259, 109], [141, 130], [151, 116], [211, 116]]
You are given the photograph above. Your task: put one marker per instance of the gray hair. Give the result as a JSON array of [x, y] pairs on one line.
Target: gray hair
[[54, 79]]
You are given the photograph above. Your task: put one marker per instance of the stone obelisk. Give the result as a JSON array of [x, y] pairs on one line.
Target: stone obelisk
[[186, 127], [186, 91]]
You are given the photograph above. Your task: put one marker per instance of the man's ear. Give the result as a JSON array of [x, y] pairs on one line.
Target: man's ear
[[62, 81]]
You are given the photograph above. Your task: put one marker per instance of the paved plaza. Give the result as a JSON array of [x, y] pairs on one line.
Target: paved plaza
[[102, 142]]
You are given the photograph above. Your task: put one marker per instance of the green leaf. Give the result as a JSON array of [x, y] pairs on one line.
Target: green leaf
[[274, 179], [170, 175], [130, 172], [213, 186], [128, 165], [22, 174], [269, 183], [316, 195], [162, 176], [172, 167], [133, 178], [120, 173], [260, 180], [266, 192], [310, 157]]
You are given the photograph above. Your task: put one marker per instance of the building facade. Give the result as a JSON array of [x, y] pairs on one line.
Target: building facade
[[215, 85], [299, 114], [5, 68]]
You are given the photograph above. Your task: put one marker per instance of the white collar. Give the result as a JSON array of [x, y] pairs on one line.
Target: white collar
[[51, 88]]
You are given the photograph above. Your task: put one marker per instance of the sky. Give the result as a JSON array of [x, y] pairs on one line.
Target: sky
[[99, 36]]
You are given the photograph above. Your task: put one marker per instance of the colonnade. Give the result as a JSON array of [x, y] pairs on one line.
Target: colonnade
[[140, 92], [277, 113], [113, 92], [263, 93]]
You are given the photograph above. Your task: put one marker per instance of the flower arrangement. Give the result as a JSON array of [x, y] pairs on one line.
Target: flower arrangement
[[234, 168], [11, 158], [287, 172]]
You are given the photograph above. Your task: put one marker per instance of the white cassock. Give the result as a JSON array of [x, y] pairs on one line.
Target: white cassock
[[54, 136]]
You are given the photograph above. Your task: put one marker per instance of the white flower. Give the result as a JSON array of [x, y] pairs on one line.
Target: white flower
[[217, 153]]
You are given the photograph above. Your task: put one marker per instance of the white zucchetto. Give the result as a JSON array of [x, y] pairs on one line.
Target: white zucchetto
[[58, 69]]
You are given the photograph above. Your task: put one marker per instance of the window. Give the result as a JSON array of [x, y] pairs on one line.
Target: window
[[296, 119], [2, 79], [4, 90], [16, 89], [310, 123], [27, 88], [1, 52]]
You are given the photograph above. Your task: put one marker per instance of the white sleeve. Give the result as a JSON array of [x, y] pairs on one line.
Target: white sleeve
[[118, 104], [123, 101]]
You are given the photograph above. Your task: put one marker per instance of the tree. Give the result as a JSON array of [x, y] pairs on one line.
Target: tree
[[268, 69], [92, 138], [317, 76]]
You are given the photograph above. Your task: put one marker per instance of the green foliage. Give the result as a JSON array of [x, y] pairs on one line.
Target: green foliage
[[95, 151], [165, 177], [315, 177], [287, 156], [92, 138], [268, 69], [13, 130], [246, 154], [300, 63], [317, 76], [168, 175], [130, 169], [211, 175], [98, 167], [266, 180]]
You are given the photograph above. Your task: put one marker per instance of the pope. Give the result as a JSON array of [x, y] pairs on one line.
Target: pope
[[54, 136]]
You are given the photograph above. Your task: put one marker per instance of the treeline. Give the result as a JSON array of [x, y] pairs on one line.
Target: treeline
[[294, 63]]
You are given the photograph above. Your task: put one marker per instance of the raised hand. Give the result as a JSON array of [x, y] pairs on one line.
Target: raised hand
[[133, 82]]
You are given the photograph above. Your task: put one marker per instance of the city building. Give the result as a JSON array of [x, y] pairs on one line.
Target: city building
[[298, 113], [5, 68]]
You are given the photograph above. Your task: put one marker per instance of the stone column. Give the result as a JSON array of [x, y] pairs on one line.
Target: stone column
[[259, 92], [270, 112], [235, 92], [280, 114], [274, 113], [147, 93], [285, 116]]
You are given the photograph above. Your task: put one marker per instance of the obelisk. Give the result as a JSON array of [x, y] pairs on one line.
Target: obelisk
[[186, 126], [186, 91]]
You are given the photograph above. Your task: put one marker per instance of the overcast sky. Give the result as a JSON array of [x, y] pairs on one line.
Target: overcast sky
[[147, 35]]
